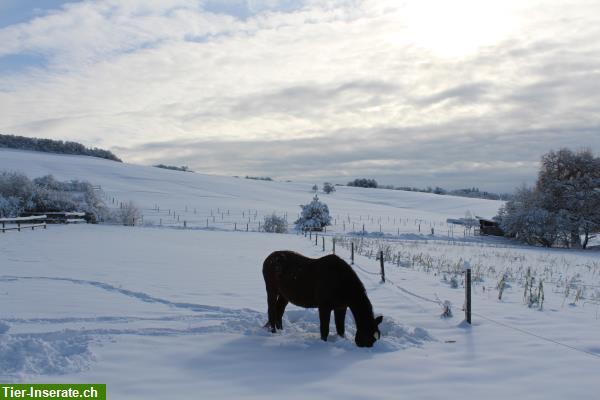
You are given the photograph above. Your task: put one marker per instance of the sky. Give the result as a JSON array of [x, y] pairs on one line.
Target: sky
[[412, 93]]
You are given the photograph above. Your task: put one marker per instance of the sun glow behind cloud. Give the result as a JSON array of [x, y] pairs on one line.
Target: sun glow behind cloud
[[455, 28]]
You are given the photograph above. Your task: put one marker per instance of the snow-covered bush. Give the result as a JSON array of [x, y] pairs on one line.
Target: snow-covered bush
[[9, 207], [129, 214], [52, 195], [275, 224], [19, 194], [314, 216], [16, 193]]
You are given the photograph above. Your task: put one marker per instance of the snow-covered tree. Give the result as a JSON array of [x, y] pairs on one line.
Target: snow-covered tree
[[564, 205], [569, 183], [314, 216]]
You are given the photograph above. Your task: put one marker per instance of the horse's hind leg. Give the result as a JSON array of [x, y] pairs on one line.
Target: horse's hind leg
[[340, 320], [280, 305]]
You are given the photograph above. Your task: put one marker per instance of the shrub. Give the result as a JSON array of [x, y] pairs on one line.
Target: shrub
[[275, 224], [129, 214]]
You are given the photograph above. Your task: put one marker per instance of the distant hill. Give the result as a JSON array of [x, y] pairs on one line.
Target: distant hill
[[54, 146]]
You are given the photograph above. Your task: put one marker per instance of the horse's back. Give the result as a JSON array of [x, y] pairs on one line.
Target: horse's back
[[307, 282]]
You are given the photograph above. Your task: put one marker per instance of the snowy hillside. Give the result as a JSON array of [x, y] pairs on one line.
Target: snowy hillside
[[177, 313], [174, 190]]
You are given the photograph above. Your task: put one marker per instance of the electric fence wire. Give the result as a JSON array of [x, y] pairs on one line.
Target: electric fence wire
[[523, 331], [537, 336]]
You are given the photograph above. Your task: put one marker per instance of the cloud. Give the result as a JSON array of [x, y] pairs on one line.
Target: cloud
[[292, 89]]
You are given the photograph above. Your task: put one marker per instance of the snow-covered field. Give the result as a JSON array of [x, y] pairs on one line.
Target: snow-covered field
[[178, 313]]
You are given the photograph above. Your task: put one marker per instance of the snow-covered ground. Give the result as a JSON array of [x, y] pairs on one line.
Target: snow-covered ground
[[173, 313]]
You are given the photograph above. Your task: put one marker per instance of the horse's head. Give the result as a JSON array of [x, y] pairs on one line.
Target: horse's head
[[367, 336]]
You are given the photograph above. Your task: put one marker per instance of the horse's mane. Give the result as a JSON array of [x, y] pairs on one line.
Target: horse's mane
[[361, 306]]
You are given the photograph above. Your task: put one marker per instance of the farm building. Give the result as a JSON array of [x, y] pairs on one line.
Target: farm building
[[489, 227]]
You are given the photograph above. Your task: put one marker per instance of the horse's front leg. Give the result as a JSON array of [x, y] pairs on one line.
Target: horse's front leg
[[271, 303], [340, 320], [324, 316], [280, 305]]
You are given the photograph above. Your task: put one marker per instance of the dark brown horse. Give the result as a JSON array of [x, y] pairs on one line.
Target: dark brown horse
[[327, 283]]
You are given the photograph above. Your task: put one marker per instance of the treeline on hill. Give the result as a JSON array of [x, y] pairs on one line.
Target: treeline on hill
[[54, 146], [174, 168], [562, 208], [259, 178], [468, 192]]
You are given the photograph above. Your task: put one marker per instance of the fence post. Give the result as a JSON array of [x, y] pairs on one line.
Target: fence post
[[185, 224], [246, 227], [323, 238], [235, 226], [316, 239], [382, 267], [309, 235], [352, 252], [468, 293], [333, 241], [19, 226]]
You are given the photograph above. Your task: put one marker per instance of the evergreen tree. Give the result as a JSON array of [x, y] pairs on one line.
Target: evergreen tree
[[314, 216]]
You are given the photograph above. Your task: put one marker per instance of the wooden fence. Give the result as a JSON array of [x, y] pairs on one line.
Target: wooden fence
[[23, 223]]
